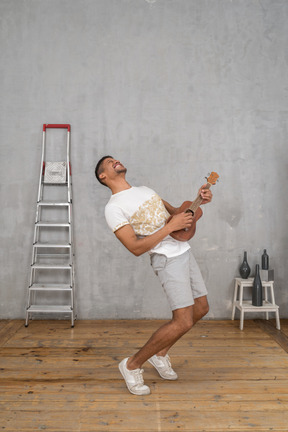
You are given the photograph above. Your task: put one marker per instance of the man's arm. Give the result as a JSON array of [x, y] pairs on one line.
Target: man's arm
[[139, 246], [206, 196], [171, 210]]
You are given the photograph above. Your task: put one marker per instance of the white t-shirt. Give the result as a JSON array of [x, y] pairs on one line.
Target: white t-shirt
[[144, 210]]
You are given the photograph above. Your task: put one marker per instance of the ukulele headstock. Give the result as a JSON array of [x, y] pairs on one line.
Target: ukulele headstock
[[212, 179]]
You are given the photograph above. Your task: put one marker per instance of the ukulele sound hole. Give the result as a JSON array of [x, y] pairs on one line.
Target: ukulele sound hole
[[188, 211], [191, 211]]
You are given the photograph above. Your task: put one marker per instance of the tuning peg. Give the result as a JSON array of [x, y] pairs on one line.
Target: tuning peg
[[208, 175]]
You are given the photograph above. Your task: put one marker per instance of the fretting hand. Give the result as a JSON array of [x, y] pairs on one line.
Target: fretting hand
[[205, 194]]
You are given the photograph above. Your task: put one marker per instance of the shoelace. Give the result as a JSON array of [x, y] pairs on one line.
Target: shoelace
[[168, 360], [138, 376], [167, 363]]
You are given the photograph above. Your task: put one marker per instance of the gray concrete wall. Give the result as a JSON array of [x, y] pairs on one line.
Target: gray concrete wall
[[174, 89]]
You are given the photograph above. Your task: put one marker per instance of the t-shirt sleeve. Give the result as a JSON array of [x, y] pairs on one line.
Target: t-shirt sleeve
[[115, 217]]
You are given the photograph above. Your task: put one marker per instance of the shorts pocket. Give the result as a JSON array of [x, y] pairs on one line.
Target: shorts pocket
[[158, 262]]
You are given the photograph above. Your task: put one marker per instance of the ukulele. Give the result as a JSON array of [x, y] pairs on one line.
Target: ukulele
[[193, 207]]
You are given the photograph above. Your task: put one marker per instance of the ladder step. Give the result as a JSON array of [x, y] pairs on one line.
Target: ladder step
[[53, 203], [52, 224], [46, 183], [50, 287], [54, 256], [51, 245], [52, 266], [50, 308]]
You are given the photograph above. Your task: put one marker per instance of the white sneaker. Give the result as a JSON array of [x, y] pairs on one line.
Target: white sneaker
[[134, 379], [163, 366]]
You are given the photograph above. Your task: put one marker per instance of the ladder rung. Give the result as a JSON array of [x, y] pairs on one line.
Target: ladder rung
[[51, 245], [57, 256], [50, 287], [53, 203], [46, 183], [52, 224], [52, 266], [50, 308]]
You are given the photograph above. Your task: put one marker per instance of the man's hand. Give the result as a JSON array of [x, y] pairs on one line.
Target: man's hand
[[180, 221], [205, 194]]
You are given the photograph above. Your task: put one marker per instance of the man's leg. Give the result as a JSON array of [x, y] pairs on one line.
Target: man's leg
[[199, 310], [182, 321], [166, 335]]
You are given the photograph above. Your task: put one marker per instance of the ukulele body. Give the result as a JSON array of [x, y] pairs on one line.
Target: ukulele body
[[185, 235]]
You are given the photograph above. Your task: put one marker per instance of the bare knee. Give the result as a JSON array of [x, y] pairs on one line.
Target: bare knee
[[188, 325], [185, 325], [183, 320], [200, 308], [204, 309]]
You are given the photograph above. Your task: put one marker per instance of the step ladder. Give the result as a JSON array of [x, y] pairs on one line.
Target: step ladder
[[52, 277]]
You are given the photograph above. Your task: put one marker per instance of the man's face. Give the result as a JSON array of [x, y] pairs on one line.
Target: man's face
[[112, 167]]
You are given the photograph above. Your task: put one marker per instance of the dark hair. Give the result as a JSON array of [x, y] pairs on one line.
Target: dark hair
[[99, 168]]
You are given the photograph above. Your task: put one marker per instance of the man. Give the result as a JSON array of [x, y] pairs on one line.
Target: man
[[137, 216]]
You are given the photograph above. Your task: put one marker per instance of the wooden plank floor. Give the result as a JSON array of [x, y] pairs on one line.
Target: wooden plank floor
[[56, 378]]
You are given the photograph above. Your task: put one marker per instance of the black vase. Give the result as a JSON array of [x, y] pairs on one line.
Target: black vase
[[257, 299], [244, 268], [265, 261]]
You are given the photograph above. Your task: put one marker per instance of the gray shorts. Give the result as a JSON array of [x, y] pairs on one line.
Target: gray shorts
[[180, 277]]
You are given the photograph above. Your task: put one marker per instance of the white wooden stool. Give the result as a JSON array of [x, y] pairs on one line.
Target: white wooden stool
[[246, 305]]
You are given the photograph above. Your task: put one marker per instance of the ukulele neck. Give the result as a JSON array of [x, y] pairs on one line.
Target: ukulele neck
[[198, 201]]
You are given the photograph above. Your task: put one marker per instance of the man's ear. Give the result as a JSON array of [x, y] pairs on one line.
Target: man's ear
[[102, 176]]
